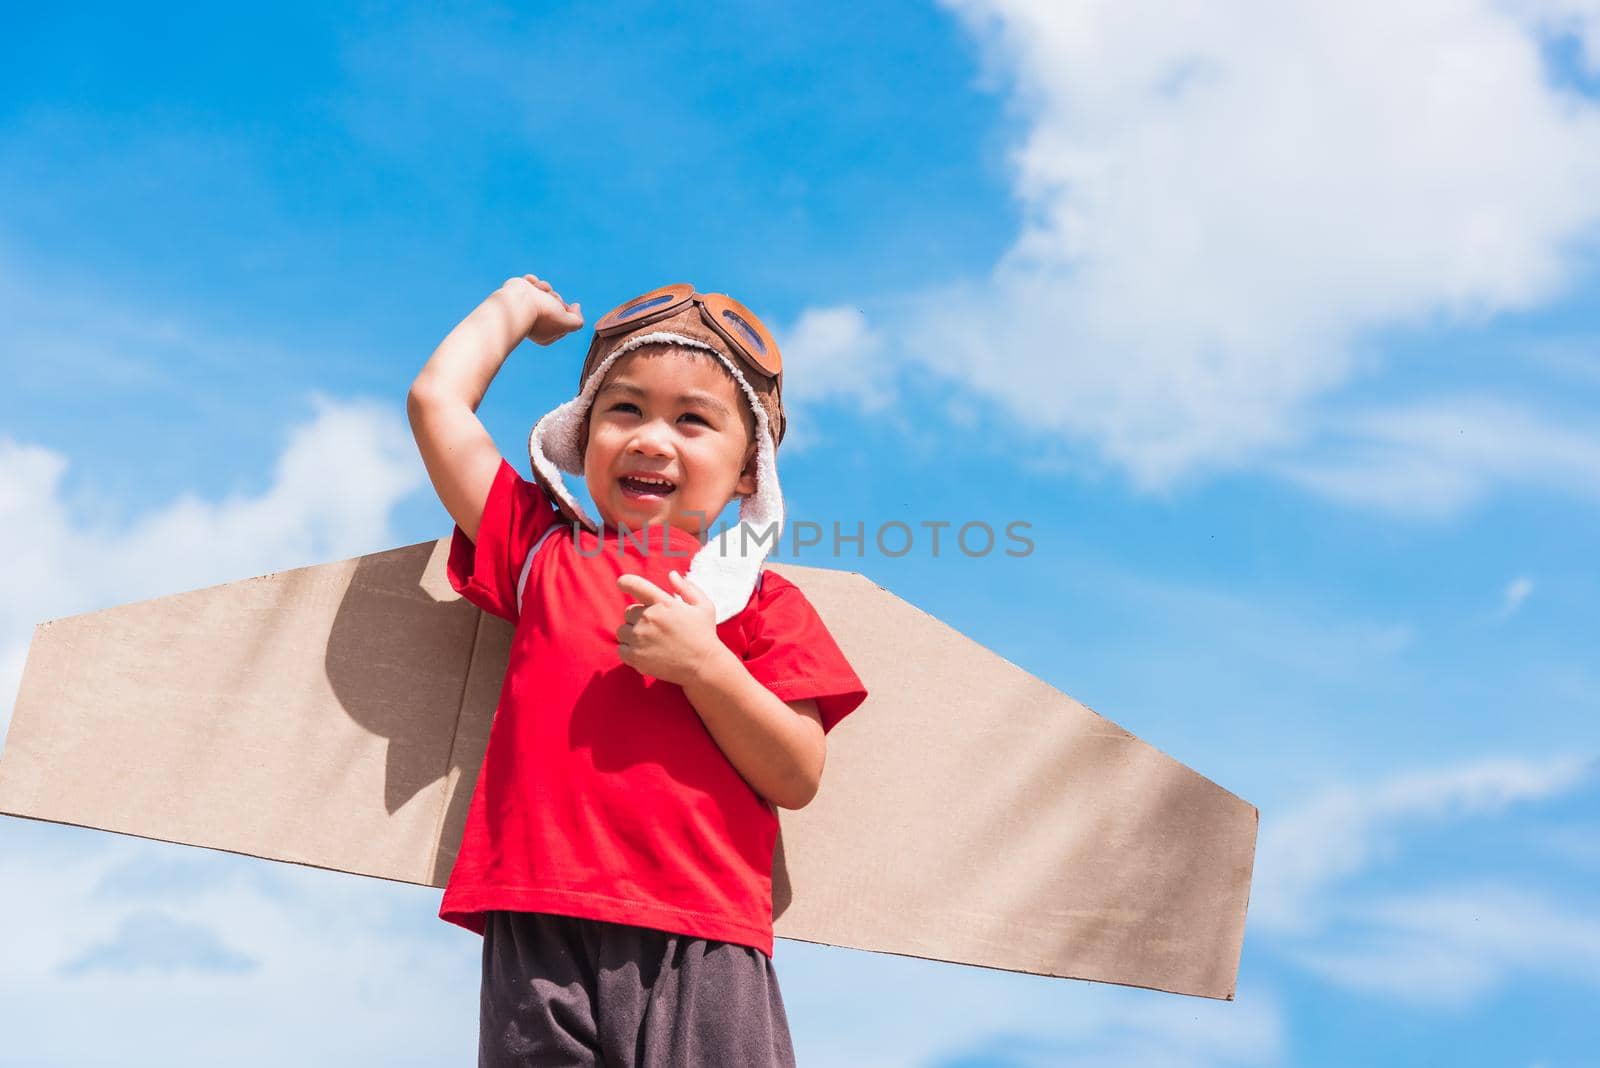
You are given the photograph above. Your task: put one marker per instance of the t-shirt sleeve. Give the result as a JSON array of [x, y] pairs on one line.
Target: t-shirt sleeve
[[487, 572], [792, 653]]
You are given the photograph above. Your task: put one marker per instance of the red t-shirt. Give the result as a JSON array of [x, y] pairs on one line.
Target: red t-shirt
[[602, 794]]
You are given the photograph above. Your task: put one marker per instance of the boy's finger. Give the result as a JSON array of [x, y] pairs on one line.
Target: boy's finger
[[687, 590], [642, 589]]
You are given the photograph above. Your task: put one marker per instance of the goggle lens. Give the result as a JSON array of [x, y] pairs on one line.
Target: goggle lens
[[641, 306], [746, 331]]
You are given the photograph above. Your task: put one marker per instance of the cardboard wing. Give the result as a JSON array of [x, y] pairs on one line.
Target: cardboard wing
[[337, 716]]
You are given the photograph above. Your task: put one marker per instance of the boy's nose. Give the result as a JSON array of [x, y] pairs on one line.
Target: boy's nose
[[650, 439]]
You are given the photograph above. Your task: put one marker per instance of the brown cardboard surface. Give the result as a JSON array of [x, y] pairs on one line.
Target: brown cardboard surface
[[337, 716]]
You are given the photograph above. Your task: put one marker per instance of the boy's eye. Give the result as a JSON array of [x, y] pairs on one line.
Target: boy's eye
[[629, 406]]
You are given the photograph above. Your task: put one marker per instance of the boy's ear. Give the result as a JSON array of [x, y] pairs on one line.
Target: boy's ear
[[747, 476]]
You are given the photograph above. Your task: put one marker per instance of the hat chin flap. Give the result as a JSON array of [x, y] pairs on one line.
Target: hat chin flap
[[727, 566]]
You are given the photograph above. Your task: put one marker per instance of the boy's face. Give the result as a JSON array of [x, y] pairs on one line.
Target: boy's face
[[663, 413]]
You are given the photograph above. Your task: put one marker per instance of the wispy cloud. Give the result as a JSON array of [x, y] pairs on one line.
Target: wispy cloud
[[333, 489], [1219, 214], [1568, 18], [332, 967], [1306, 853], [163, 939], [1576, 844], [1516, 592], [67, 333], [158, 941], [1575, 358], [850, 1008], [1434, 944], [1135, 1031], [1432, 459], [1450, 947], [834, 355]]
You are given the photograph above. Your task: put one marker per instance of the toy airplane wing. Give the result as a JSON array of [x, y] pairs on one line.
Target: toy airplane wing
[[337, 716]]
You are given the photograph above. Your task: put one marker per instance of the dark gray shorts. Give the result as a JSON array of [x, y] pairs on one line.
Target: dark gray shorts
[[561, 990]]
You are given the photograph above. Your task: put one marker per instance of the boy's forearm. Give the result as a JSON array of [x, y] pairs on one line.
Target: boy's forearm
[[469, 357], [779, 753]]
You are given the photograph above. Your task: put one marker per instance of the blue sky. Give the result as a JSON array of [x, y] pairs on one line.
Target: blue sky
[[1278, 326]]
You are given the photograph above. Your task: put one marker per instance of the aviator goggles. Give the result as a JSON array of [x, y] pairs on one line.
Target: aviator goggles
[[746, 335]]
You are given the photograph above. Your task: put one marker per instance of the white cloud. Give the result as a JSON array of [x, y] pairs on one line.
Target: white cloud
[[334, 486], [1223, 204], [96, 332], [1442, 947], [1575, 358], [1304, 853], [832, 354], [1432, 459], [199, 956], [13, 654], [271, 961], [1310, 642], [156, 940], [1451, 947], [836, 353], [1517, 592], [1105, 1027], [1577, 844], [1575, 18], [849, 1008]]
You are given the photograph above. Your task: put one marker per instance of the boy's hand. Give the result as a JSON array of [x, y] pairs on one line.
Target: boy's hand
[[669, 636], [551, 317]]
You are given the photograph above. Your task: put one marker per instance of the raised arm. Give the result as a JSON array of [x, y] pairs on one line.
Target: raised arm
[[442, 404]]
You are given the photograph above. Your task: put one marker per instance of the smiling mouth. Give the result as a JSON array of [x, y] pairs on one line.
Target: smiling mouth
[[646, 488]]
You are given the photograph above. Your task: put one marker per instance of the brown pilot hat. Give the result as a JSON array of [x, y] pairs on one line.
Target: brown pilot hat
[[714, 318]]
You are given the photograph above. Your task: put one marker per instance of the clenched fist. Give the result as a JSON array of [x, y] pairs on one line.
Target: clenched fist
[[553, 318]]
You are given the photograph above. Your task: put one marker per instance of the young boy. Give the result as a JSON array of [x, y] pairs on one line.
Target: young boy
[[617, 854]]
